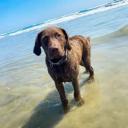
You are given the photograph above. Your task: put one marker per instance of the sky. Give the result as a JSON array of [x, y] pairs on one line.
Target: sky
[[17, 14]]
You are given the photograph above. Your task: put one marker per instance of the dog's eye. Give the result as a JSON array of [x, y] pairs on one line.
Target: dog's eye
[[58, 36], [45, 40]]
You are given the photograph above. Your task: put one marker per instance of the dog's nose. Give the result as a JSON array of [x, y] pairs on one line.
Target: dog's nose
[[53, 49]]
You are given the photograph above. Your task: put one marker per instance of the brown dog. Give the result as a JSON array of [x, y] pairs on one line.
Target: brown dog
[[63, 57]]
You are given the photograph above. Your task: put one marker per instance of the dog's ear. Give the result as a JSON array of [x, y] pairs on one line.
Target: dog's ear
[[67, 39], [37, 47]]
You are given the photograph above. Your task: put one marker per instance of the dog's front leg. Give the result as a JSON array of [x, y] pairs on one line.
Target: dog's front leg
[[77, 94], [60, 88]]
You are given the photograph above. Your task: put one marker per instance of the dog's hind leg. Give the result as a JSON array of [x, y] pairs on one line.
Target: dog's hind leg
[[86, 58], [77, 94]]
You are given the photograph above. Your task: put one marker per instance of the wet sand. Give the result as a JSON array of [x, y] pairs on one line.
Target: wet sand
[[106, 99]]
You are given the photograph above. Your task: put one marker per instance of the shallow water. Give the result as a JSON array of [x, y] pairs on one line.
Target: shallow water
[[28, 98], [36, 103], [106, 100]]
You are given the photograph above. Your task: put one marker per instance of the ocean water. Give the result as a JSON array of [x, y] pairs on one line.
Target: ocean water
[[16, 52], [26, 89]]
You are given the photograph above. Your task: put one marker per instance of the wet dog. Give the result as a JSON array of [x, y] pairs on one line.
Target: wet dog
[[64, 54]]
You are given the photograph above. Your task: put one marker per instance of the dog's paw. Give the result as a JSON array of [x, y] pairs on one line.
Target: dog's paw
[[66, 109], [90, 79], [80, 102]]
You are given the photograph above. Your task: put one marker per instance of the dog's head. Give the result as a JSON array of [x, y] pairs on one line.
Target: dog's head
[[54, 41]]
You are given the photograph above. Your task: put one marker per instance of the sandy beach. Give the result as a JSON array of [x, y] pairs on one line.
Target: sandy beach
[[106, 99]]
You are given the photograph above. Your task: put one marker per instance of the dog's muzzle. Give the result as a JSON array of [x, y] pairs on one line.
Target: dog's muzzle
[[58, 61]]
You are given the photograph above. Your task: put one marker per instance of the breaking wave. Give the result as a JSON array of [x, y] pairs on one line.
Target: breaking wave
[[73, 16]]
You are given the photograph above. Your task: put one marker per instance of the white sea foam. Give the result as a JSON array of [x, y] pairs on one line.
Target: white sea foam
[[76, 15], [1, 37]]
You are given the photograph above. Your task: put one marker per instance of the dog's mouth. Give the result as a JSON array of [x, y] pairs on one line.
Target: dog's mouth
[[55, 60], [58, 60]]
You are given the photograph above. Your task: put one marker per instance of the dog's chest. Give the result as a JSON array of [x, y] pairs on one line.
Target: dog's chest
[[64, 73]]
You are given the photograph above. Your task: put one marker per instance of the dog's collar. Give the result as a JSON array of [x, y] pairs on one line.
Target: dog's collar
[[61, 61]]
